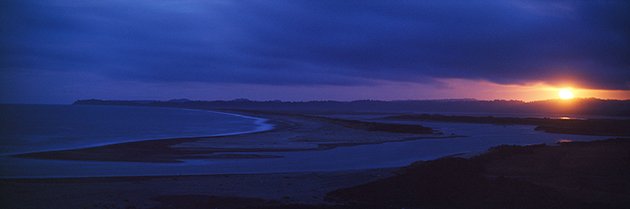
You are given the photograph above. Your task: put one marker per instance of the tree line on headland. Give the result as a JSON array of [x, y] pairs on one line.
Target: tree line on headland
[[589, 106]]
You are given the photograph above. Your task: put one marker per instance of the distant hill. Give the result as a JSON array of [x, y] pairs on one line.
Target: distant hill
[[573, 107]]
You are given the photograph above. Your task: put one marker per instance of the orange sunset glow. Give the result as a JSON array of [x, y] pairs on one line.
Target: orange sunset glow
[[566, 93], [480, 89]]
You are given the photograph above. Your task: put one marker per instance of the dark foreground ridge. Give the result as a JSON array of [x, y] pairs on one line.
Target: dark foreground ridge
[[601, 127], [572, 175]]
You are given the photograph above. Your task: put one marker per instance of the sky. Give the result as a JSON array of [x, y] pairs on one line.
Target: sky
[[57, 51]]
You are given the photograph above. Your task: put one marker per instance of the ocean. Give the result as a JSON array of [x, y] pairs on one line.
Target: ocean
[[30, 128]]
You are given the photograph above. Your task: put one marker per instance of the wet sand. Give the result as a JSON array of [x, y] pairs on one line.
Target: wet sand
[[571, 175], [293, 132], [180, 191]]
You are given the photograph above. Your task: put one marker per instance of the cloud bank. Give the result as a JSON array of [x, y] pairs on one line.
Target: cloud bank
[[306, 43]]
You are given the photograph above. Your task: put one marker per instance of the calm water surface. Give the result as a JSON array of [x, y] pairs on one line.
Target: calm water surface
[[478, 138], [28, 128]]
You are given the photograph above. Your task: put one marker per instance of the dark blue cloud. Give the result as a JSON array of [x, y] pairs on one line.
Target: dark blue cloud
[[322, 42]]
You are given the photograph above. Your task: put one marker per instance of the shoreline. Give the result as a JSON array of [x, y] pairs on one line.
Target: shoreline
[[291, 133], [423, 183], [262, 125], [299, 187], [74, 179]]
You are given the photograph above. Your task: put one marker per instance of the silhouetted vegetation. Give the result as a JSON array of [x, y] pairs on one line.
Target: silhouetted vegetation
[[573, 175], [576, 106]]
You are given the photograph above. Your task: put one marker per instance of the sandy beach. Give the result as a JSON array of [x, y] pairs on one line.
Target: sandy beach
[[146, 192], [572, 175], [540, 173], [292, 132]]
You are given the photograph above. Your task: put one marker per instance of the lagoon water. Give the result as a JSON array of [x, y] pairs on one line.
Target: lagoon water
[[477, 138]]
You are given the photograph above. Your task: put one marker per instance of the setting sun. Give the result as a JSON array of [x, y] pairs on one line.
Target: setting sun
[[566, 93]]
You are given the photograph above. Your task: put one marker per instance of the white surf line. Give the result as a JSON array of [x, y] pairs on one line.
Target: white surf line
[[261, 123]]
